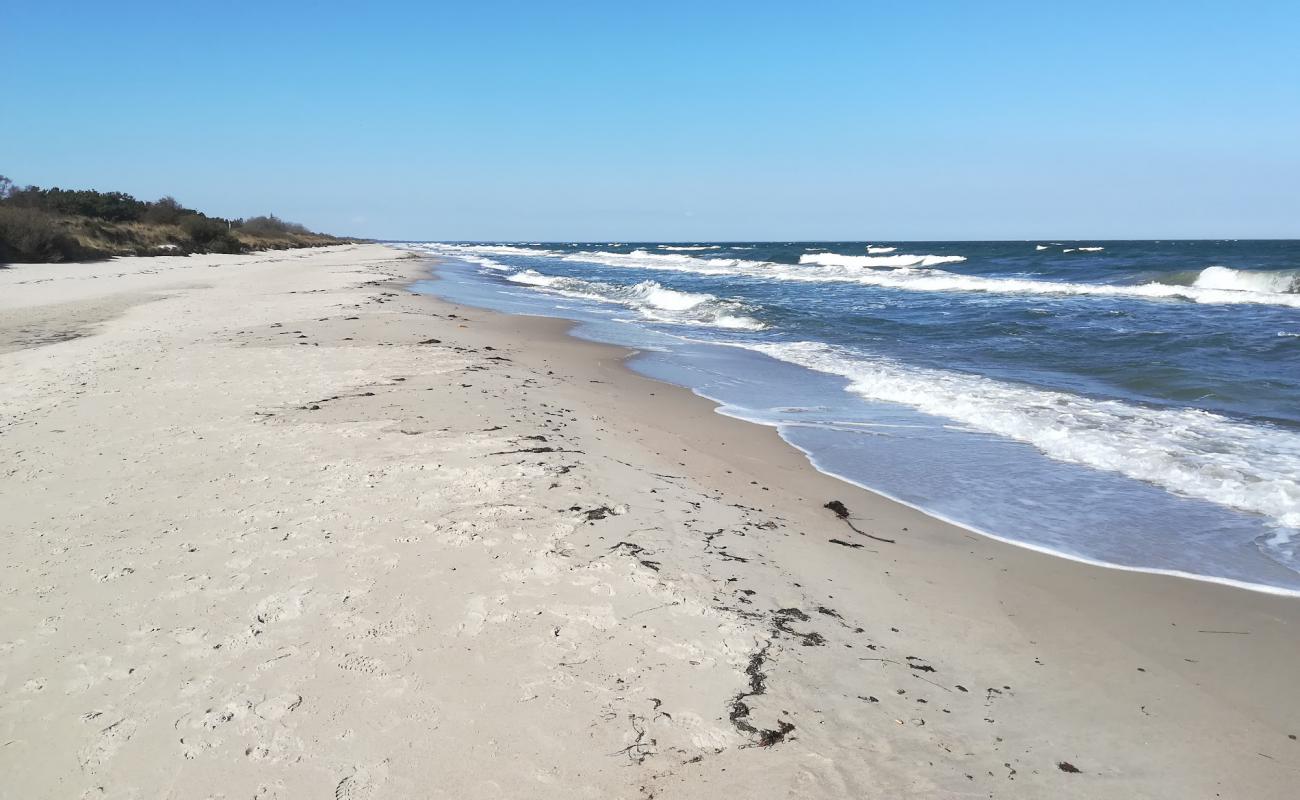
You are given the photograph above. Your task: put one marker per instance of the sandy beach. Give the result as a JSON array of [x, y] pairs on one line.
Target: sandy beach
[[274, 526]]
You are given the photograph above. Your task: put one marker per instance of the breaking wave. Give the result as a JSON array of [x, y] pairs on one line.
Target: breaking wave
[[1212, 285], [651, 299], [1245, 280], [871, 262], [1193, 453]]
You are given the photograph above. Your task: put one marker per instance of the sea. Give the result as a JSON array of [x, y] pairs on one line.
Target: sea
[[1134, 404]]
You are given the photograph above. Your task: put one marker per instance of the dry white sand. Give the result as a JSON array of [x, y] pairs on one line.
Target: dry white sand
[[274, 527]]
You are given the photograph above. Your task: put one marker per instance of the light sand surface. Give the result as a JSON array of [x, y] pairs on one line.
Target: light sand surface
[[272, 526]]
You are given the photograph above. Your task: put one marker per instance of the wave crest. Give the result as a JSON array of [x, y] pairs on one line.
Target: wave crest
[[651, 299], [1190, 452], [1245, 280], [1212, 285], [901, 260]]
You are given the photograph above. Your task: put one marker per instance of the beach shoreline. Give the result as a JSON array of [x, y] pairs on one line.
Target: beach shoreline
[[662, 577]]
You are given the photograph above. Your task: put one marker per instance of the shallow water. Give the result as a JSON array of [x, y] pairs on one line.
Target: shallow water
[[1131, 403]]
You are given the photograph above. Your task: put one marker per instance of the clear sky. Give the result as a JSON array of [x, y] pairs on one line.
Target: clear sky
[[672, 120]]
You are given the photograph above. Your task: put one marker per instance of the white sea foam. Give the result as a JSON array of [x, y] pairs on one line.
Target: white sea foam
[[1254, 468], [872, 262], [878, 249], [532, 277], [668, 299], [1091, 249], [1040, 247], [1212, 285], [1244, 280], [651, 299], [488, 249], [926, 280], [690, 247], [484, 261], [935, 280]]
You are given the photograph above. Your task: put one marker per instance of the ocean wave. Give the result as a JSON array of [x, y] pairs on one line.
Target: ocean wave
[[484, 261], [929, 280], [688, 247], [674, 262], [1213, 285], [488, 249], [651, 299], [879, 249], [1193, 453], [871, 262], [1245, 280]]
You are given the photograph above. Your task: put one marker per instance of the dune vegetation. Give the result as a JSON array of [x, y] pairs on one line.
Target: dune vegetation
[[51, 225]]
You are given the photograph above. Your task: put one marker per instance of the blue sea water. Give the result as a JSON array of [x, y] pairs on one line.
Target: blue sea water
[[1135, 404]]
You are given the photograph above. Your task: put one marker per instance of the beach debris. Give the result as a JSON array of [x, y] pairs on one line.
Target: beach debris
[[639, 750], [601, 512], [739, 714], [1066, 766], [846, 544], [635, 550], [781, 619], [842, 511], [533, 450]]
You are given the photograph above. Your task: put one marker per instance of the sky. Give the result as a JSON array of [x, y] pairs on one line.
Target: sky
[[672, 121]]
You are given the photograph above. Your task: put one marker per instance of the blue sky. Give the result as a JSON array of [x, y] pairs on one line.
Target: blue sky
[[672, 120]]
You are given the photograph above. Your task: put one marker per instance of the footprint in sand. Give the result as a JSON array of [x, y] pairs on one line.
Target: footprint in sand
[[108, 741], [401, 626], [354, 662], [276, 607], [363, 784]]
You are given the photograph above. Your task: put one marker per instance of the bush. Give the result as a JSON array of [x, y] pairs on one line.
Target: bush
[[203, 230], [211, 235], [271, 226], [165, 211], [111, 206], [226, 243], [64, 225], [31, 236]]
